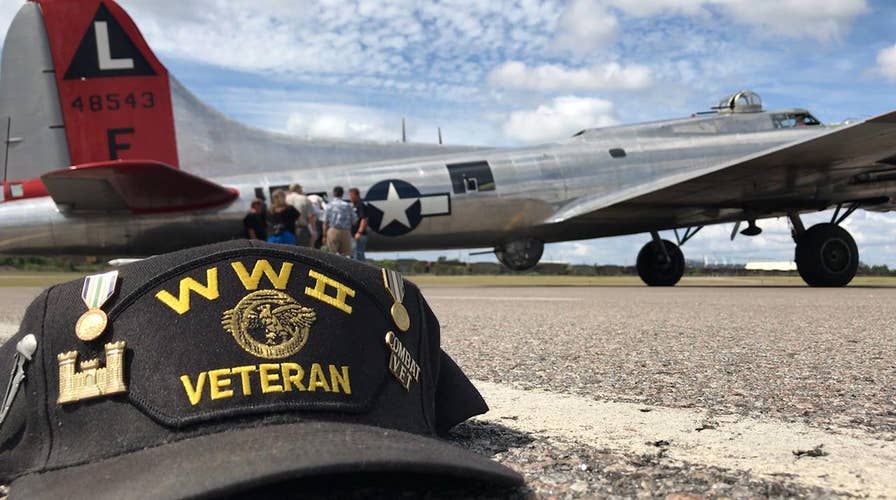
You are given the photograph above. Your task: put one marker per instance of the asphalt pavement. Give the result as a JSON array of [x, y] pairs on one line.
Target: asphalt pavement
[[671, 393]]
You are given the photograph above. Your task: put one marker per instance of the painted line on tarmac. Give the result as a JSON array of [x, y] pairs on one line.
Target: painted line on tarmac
[[430, 296], [856, 462]]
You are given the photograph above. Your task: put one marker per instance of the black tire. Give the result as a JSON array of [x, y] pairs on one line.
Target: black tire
[[653, 268], [827, 255], [520, 255]]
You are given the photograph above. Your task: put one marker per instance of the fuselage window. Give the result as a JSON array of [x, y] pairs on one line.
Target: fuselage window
[[471, 177], [617, 153]]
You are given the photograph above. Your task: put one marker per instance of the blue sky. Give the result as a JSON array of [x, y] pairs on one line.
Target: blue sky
[[516, 72]]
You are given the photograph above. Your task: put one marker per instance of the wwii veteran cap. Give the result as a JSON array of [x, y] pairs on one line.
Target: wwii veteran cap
[[222, 368]]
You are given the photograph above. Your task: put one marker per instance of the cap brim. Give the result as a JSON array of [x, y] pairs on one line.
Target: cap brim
[[241, 459]]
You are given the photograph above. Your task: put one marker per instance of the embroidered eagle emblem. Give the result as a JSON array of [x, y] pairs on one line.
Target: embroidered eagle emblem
[[269, 324]]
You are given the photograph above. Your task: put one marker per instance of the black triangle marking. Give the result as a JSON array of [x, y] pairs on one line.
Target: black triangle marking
[[86, 63]]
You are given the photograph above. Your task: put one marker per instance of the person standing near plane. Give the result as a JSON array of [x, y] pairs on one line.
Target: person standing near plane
[[317, 229], [339, 217], [282, 219], [296, 197], [254, 224], [359, 229]]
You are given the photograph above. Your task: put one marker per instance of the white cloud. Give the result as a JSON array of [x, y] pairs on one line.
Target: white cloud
[[813, 19], [886, 63], [420, 48], [554, 77], [648, 8], [559, 119], [338, 126], [586, 25], [338, 121]]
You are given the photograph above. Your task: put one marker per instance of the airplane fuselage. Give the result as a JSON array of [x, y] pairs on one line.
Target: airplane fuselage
[[472, 199]]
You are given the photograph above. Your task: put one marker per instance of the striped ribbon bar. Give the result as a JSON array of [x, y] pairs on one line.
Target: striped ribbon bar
[[98, 288], [394, 284]]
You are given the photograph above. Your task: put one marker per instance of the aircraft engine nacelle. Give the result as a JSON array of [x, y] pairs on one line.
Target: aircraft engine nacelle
[[520, 255]]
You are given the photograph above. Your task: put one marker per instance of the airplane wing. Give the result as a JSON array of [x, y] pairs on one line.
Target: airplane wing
[[799, 176], [138, 187]]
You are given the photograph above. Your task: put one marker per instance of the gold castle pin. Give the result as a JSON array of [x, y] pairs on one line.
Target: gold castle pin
[[394, 284], [92, 380], [96, 291]]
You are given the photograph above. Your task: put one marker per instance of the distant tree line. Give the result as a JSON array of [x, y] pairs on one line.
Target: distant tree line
[[453, 267], [444, 267], [50, 264]]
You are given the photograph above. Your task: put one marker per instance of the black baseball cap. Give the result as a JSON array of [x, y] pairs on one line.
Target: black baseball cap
[[228, 367]]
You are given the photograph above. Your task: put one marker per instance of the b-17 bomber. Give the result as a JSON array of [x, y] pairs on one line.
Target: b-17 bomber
[[106, 153]]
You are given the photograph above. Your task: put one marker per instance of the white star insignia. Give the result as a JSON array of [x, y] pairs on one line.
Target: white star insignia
[[394, 208]]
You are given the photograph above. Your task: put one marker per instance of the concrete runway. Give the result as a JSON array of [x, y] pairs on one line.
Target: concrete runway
[[677, 393]]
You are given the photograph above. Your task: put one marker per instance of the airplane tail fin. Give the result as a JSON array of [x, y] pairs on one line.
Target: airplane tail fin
[[79, 85]]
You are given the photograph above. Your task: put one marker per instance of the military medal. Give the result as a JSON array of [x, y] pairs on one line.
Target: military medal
[[395, 286], [96, 291]]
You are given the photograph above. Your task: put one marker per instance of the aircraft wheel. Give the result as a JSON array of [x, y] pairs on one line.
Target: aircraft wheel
[[653, 268], [827, 255], [520, 255]]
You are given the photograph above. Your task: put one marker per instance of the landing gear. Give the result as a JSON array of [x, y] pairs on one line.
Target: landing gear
[[660, 262], [826, 255], [520, 255]]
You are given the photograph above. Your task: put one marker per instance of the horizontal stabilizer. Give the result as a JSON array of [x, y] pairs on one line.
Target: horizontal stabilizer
[[135, 186]]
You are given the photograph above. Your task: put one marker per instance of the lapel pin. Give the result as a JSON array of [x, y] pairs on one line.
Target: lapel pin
[[24, 350], [93, 380], [401, 362]]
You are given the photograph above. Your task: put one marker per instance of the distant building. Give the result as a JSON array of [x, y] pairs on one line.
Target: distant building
[[786, 265]]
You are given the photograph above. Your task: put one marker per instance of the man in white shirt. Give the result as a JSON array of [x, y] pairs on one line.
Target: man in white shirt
[[317, 229], [307, 219]]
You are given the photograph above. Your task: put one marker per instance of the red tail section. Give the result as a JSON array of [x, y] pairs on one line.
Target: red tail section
[[115, 94]]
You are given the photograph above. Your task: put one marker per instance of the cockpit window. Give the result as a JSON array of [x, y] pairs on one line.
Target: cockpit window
[[794, 120]]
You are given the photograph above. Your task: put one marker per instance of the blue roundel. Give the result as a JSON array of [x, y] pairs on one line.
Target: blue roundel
[[393, 207]]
